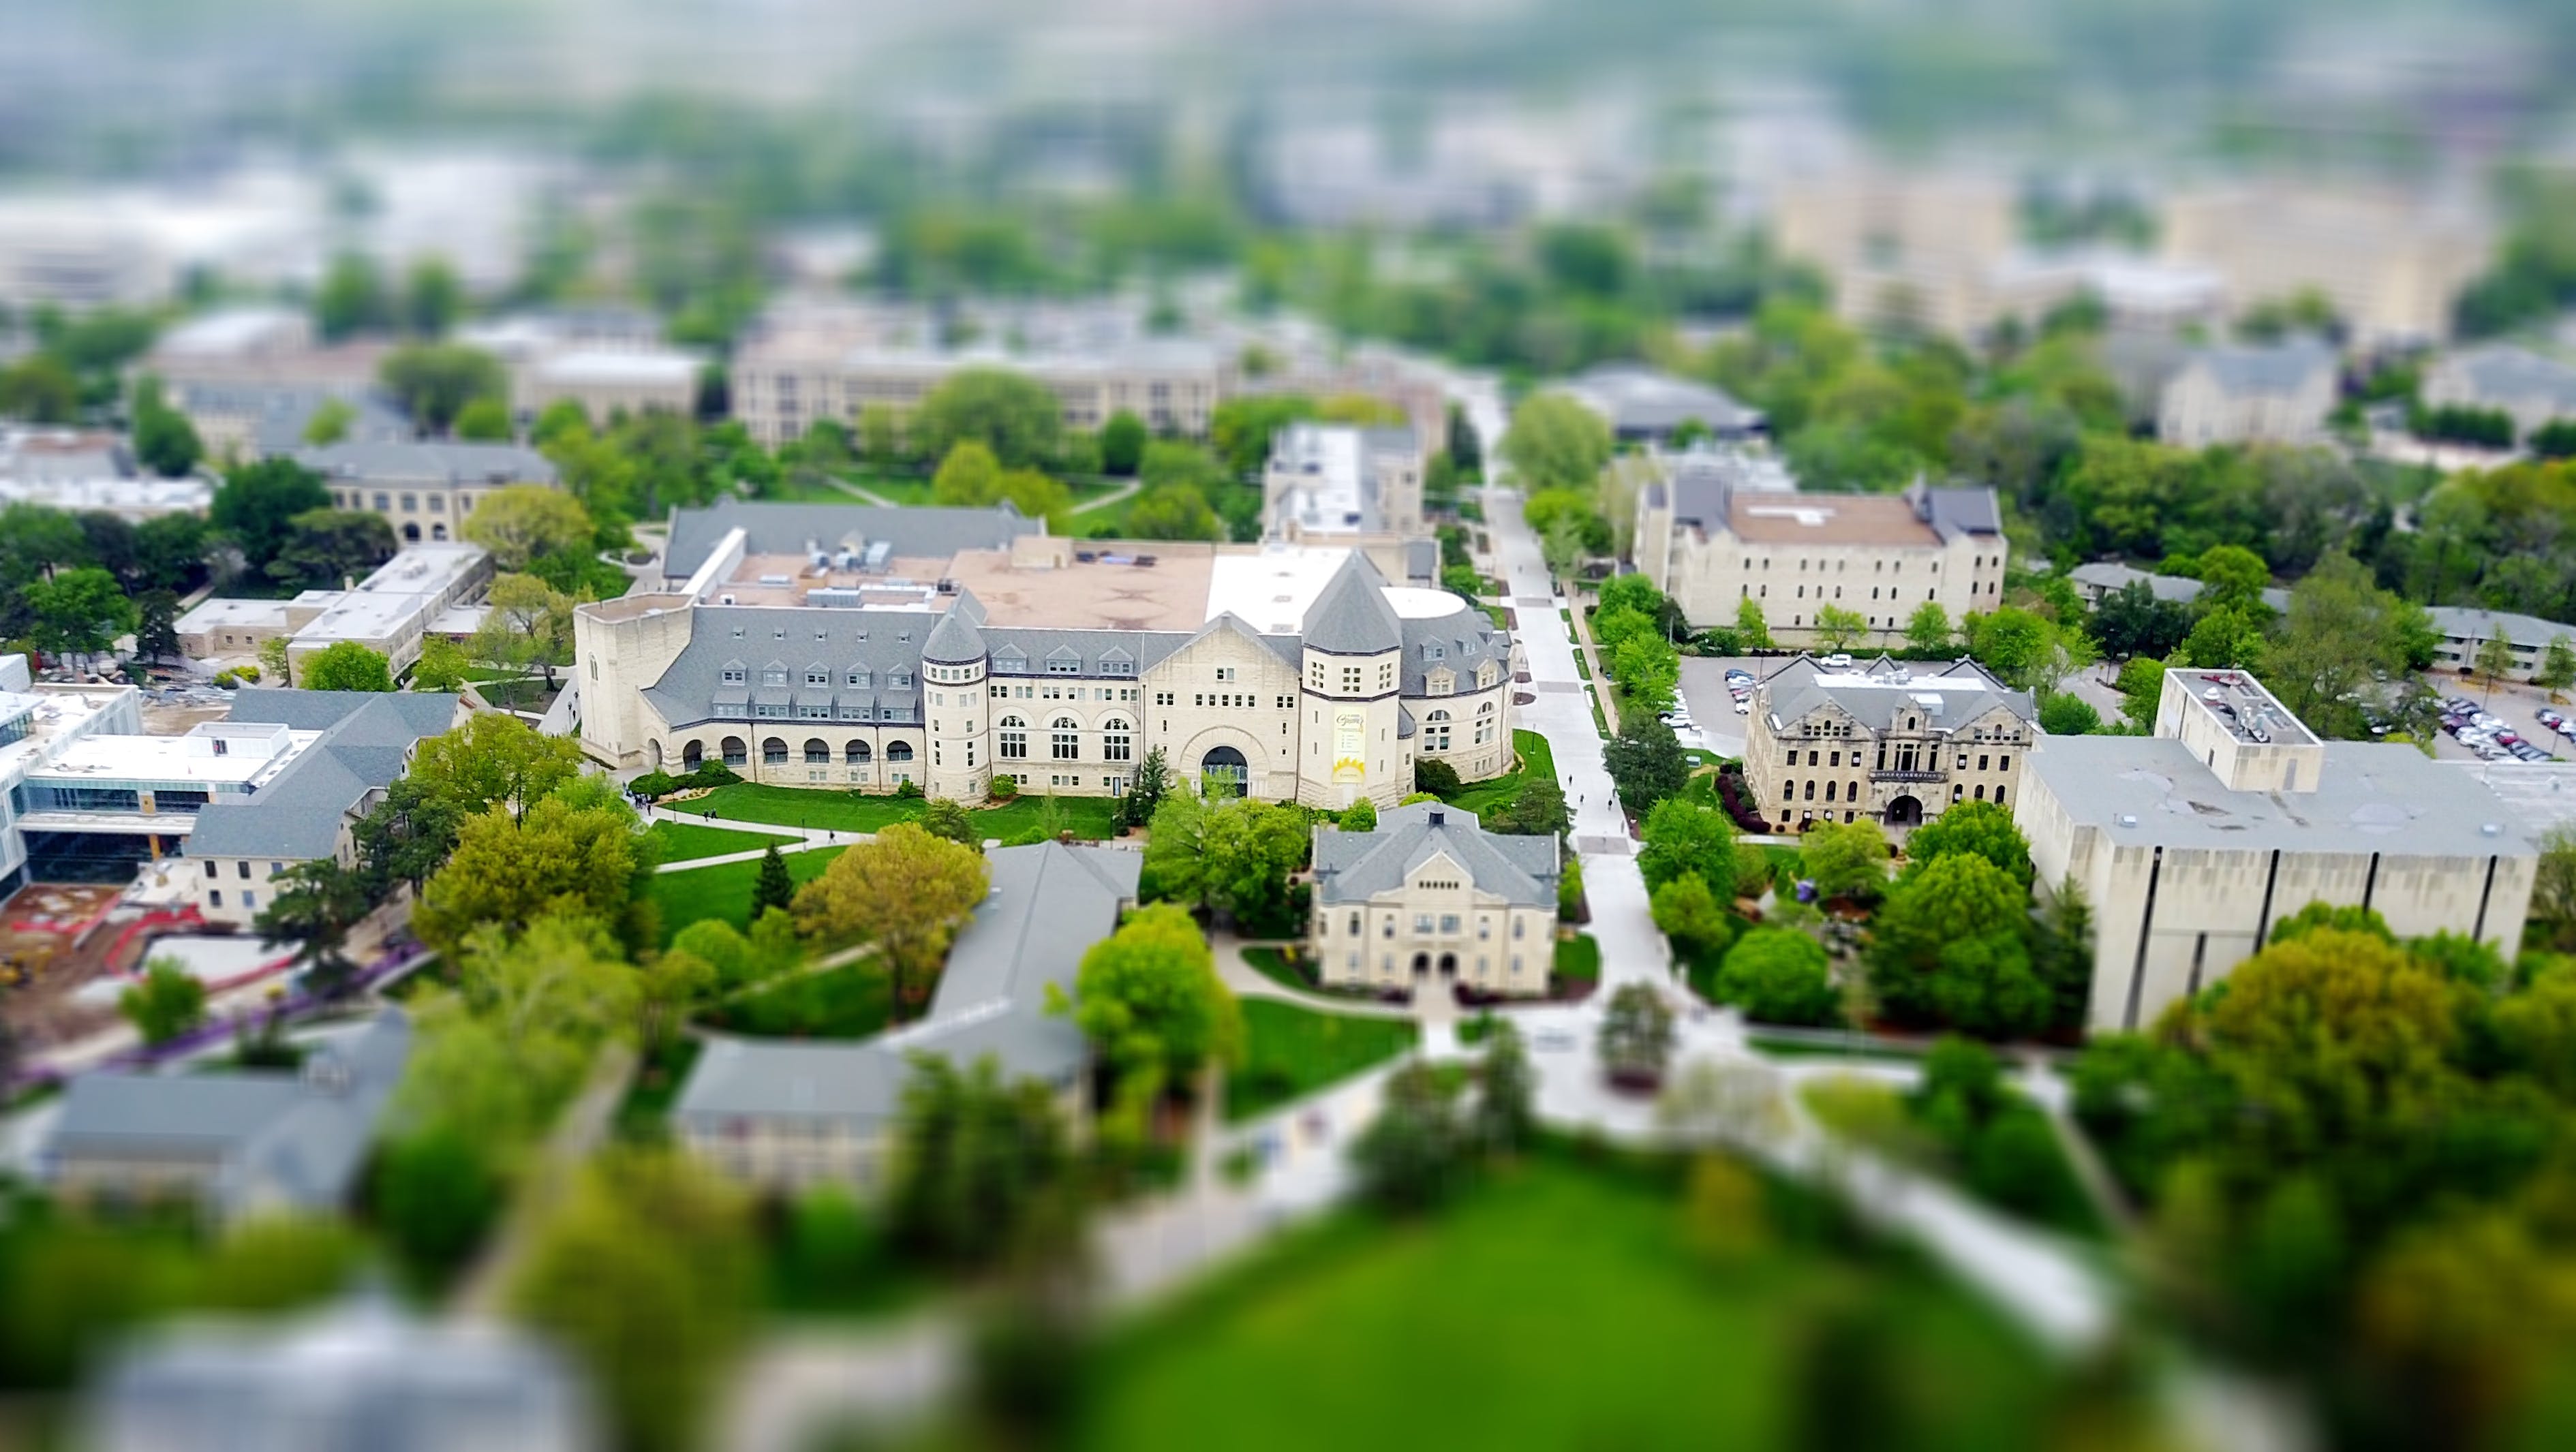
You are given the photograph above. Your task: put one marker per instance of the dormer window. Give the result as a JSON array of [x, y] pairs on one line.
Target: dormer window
[[735, 675], [774, 676]]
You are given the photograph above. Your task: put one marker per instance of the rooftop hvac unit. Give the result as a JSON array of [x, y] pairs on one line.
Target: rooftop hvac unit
[[777, 579], [724, 599], [947, 586], [849, 560], [879, 551]]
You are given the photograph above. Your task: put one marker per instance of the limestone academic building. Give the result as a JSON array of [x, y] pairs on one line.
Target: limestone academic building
[[847, 647]]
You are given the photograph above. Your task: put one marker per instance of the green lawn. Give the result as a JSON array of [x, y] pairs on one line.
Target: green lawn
[[1272, 963], [1860, 1048], [1290, 1052], [1536, 763], [724, 890], [1025, 818], [689, 841], [1578, 959], [852, 1001], [1555, 1305]]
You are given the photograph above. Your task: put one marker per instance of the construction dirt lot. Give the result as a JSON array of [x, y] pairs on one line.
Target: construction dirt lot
[[54, 940]]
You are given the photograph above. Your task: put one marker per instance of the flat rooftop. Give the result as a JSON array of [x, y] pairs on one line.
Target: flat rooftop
[[104, 759], [221, 612], [2371, 797], [1830, 519], [2245, 708], [1109, 592]]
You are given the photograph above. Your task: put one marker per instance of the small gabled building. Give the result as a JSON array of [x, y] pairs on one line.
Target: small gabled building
[[1431, 899], [235, 1144], [792, 1114], [1892, 742], [2276, 394]]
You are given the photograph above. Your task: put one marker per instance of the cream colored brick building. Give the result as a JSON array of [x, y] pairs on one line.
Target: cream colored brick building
[[424, 490], [1711, 544], [1891, 743], [1336, 484], [2279, 394], [1430, 899], [2193, 843], [2392, 265], [848, 647]]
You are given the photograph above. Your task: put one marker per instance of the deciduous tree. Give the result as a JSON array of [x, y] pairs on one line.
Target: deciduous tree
[[1556, 443], [1636, 1035], [345, 665], [435, 381], [907, 893], [329, 549], [1949, 946], [1684, 837], [524, 521], [1645, 760], [1780, 975], [1015, 416], [165, 1003], [507, 872], [1149, 999], [1845, 859], [257, 503], [1983, 829]]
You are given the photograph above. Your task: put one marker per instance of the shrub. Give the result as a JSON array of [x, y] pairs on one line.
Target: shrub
[[1436, 777], [654, 784], [1005, 788], [713, 774], [908, 791]]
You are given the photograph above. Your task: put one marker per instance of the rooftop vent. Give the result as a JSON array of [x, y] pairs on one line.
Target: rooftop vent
[[1437, 816], [2128, 819]]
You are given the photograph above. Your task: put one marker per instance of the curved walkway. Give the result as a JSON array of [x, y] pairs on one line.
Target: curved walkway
[[1246, 981]]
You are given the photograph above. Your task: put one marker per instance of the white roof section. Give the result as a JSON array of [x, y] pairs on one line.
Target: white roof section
[[256, 614], [1420, 602], [258, 754], [613, 366], [1273, 590]]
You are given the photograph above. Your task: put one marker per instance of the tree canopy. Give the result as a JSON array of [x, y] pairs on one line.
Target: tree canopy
[[907, 893]]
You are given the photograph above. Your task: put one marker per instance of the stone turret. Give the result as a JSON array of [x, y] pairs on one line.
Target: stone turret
[[956, 703], [1351, 675]]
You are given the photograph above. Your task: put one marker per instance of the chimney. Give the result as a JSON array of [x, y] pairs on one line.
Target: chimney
[[1438, 816]]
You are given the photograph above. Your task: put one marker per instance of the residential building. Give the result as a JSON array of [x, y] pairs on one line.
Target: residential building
[[425, 490], [803, 365], [360, 1374], [1334, 483], [1432, 900], [2391, 265], [2278, 393], [2191, 844], [2103, 578], [1642, 405], [1893, 743], [86, 471], [2465, 632], [249, 379], [2533, 388], [394, 611], [1713, 535], [318, 762], [786, 1115], [846, 647], [236, 1144]]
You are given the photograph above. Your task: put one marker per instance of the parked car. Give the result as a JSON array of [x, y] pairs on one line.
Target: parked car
[[1838, 661], [2548, 718]]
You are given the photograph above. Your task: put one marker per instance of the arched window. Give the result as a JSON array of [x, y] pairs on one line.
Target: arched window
[[1435, 731], [1117, 740], [1485, 723], [735, 753], [857, 754], [1015, 739], [773, 752], [411, 533], [817, 752], [692, 756], [1065, 741], [899, 751]]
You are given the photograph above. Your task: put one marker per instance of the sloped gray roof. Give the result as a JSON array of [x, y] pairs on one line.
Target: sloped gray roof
[[1357, 866], [1944, 698], [367, 737], [295, 1137], [882, 643], [2502, 374], [1351, 615], [2462, 623], [1048, 905], [955, 640], [2111, 576], [1955, 511], [1461, 641], [1639, 400], [408, 461], [2242, 370], [770, 529]]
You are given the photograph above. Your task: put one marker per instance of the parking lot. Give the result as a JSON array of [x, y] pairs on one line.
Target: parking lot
[[1721, 729], [2509, 709]]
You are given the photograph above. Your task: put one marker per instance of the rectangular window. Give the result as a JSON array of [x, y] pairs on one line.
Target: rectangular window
[[1225, 673], [2002, 763], [1448, 923], [1422, 922], [215, 898], [241, 869], [1981, 763]]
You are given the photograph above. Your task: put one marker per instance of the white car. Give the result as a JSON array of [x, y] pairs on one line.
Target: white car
[[1838, 661]]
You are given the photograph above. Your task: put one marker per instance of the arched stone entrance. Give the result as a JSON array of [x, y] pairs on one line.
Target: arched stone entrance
[[1223, 773], [692, 756], [1904, 811]]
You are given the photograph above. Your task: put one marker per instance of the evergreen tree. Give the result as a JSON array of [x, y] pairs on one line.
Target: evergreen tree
[[774, 888]]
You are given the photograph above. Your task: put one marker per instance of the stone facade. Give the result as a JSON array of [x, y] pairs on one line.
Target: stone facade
[[1889, 743], [1430, 899]]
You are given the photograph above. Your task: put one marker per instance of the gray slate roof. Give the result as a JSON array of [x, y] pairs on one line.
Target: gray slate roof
[[374, 461], [1048, 905], [1461, 641], [2459, 622], [2370, 797], [2502, 374], [773, 529], [1353, 867], [2245, 371], [276, 1136], [1638, 400], [1350, 615], [882, 647], [284, 418], [2110, 577], [1945, 698], [955, 640], [367, 738]]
